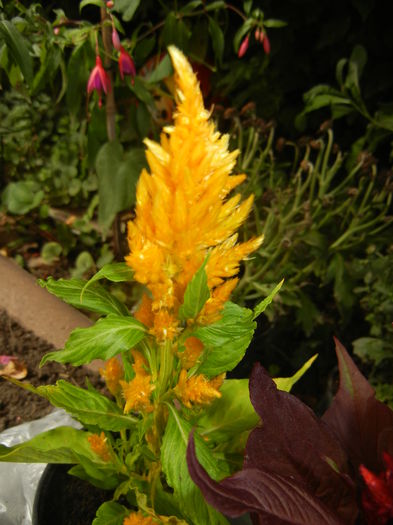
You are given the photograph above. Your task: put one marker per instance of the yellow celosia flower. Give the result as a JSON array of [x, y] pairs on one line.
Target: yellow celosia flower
[[99, 445], [144, 312], [183, 210], [198, 390], [136, 518], [112, 373], [193, 350], [140, 364], [137, 394]]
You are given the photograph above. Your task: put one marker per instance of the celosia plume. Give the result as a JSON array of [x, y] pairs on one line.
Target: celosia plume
[[99, 445], [183, 211]]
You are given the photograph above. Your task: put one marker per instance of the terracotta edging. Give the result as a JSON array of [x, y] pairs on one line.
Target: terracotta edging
[[36, 309]]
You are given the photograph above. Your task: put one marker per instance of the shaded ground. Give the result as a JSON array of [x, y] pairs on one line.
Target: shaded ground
[[18, 405]]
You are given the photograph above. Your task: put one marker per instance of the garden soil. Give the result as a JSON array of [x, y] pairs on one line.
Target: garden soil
[[17, 405]]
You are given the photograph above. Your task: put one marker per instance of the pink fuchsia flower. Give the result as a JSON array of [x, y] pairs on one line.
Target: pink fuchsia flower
[[243, 46], [126, 64], [99, 80], [377, 497]]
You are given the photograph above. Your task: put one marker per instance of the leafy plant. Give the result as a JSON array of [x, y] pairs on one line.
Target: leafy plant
[[299, 469], [184, 336]]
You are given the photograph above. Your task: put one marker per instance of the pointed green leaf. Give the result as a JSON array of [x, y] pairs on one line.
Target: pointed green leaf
[[196, 294], [261, 307], [231, 414], [107, 338], [226, 340], [87, 406], [163, 70], [127, 8], [111, 513], [18, 49], [95, 298], [98, 3], [174, 465], [217, 37], [116, 272], [59, 445], [286, 383]]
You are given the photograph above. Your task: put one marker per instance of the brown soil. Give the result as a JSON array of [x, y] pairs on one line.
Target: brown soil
[[18, 405]]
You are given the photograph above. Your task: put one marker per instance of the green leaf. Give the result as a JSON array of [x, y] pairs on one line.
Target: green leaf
[[76, 79], [60, 445], [98, 3], [226, 340], [261, 307], [163, 70], [50, 62], [87, 406], [231, 414], [271, 22], [217, 37], [196, 294], [218, 4], [286, 383], [95, 298], [18, 48], [107, 338], [117, 178], [241, 32], [116, 272], [372, 349], [51, 251], [110, 513], [174, 465], [22, 197], [127, 8]]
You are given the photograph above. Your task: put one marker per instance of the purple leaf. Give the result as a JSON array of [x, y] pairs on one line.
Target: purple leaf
[[270, 498], [294, 443], [363, 424]]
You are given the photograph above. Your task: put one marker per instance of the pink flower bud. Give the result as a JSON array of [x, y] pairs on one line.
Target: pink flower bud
[[56, 30], [243, 47], [266, 44], [257, 34], [115, 39], [109, 4]]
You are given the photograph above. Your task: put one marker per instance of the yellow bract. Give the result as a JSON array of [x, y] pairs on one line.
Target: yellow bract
[[136, 518], [183, 210], [198, 390]]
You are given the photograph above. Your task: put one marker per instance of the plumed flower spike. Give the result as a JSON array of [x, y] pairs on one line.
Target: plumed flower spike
[[183, 209]]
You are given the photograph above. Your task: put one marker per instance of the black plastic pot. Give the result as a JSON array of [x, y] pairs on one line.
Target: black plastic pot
[[62, 499]]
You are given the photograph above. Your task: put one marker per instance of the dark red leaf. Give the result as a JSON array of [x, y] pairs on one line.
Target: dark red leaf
[[293, 442], [272, 499], [363, 424]]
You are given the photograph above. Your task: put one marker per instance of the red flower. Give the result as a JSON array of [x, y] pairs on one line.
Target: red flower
[[126, 64], [243, 47], [99, 80], [377, 497]]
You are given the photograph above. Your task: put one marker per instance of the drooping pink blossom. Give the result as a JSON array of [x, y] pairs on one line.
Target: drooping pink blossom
[[99, 80], [126, 64]]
